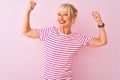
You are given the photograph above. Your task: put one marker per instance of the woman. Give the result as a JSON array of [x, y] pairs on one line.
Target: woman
[[61, 44]]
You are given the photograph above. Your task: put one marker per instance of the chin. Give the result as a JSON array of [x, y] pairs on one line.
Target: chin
[[62, 26]]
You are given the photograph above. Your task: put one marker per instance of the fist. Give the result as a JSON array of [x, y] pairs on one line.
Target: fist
[[97, 17], [31, 5]]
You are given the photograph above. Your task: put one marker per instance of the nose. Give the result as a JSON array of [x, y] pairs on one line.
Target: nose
[[61, 17]]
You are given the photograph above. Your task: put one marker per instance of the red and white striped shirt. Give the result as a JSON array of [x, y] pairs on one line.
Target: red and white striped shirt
[[59, 50]]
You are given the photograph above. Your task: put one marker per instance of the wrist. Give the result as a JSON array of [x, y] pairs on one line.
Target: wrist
[[28, 11], [101, 25]]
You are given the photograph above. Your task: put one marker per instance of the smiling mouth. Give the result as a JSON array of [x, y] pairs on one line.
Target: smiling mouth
[[62, 22]]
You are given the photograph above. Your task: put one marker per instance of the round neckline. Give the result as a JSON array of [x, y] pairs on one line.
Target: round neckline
[[63, 33]]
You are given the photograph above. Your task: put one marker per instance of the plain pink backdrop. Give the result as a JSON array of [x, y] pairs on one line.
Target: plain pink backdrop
[[21, 57]]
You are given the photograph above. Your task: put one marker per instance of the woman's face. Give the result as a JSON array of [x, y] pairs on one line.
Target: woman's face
[[64, 19]]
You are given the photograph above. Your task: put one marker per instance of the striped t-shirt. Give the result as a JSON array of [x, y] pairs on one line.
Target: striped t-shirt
[[59, 50]]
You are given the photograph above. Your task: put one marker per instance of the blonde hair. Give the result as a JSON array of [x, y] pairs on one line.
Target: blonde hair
[[69, 8]]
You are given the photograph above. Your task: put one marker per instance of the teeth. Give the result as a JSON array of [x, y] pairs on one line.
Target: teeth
[[62, 22]]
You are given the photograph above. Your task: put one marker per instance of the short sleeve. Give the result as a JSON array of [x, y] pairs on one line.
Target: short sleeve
[[84, 40], [43, 33]]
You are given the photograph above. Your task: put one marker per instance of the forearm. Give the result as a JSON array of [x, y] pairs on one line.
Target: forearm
[[102, 36], [26, 23]]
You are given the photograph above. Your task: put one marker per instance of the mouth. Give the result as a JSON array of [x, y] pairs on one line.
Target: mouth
[[62, 22]]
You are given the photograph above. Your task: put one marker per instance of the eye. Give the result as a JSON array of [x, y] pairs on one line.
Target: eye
[[59, 14]]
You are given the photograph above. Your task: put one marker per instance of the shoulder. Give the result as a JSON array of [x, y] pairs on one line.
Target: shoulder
[[81, 36], [77, 35], [46, 28]]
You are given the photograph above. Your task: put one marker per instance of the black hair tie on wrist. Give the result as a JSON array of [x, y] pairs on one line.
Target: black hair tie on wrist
[[100, 26]]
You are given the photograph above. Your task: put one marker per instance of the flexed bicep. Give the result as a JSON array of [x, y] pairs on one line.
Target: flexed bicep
[[26, 29], [32, 34]]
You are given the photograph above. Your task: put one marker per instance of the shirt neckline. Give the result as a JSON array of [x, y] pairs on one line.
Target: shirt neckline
[[60, 33]]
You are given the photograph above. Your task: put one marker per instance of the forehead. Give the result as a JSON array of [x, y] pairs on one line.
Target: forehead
[[63, 9]]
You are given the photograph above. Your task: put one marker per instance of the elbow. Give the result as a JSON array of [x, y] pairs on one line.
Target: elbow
[[104, 43], [23, 33]]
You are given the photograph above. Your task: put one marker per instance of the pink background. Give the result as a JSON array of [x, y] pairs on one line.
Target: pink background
[[21, 57]]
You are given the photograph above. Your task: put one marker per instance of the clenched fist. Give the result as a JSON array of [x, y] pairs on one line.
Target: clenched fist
[[97, 17], [31, 5]]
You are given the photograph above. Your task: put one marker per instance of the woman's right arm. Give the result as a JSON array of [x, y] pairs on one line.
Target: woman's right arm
[[26, 28]]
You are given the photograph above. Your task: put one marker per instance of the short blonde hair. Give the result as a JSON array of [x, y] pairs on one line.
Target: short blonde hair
[[69, 8]]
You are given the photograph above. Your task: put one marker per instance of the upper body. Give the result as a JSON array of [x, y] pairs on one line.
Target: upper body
[[59, 51], [60, 42]]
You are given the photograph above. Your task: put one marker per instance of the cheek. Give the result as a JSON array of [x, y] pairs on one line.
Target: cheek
[[69, 19], [58, 18]]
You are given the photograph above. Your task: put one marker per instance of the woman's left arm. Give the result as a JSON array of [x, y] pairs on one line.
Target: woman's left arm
[[102, 38]]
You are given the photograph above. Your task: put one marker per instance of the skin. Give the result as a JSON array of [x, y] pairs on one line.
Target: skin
[[65, 22]]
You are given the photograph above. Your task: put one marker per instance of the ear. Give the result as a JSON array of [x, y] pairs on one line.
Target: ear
[[73, 20]]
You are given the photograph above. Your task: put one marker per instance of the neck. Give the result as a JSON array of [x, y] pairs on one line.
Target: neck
[[65, 30]]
